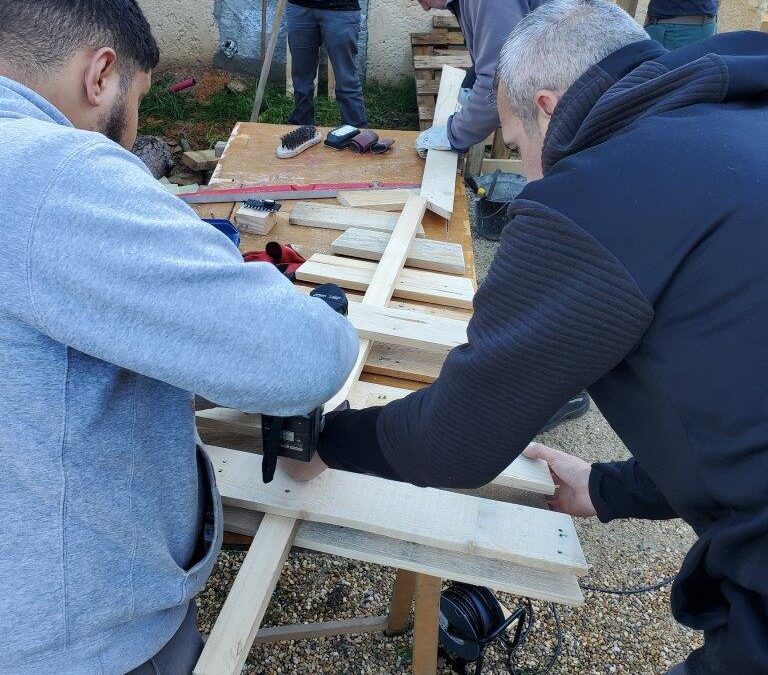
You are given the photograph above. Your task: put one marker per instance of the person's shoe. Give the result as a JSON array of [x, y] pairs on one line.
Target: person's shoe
[[576, 407]]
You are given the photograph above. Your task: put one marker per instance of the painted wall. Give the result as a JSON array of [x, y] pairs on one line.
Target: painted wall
[[191, 31]]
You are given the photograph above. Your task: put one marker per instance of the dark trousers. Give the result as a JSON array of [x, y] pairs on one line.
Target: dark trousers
[[180, 654], [338, 30]]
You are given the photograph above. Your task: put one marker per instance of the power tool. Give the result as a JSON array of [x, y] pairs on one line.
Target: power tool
[[297, 437]]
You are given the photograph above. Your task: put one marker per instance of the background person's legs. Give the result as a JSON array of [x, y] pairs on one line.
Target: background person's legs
[[341, 30], [180, 655], [304, 39], [676, 35]]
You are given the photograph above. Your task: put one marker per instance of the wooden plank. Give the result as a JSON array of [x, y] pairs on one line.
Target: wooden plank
[[459, 59], [310, 631], [442, 289], [426, 621], [404, 362], [447, 520], [438, 185], [200, 160], [427, 86], [383, 282], [230, 641], [426, 254], [438, 37], [505, 165], [469, 569], [378, 200], [405, 327], [445, 21], [266, 62], [310, 214]]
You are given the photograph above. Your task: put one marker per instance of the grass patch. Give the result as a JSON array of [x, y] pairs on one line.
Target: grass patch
[[203, 122]]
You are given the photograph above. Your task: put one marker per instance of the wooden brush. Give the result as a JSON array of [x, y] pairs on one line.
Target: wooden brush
[[258, 216], [298, 140]]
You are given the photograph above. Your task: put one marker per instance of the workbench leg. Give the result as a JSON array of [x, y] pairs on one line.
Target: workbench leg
[[425, 624], [402, 598], [473, 160]]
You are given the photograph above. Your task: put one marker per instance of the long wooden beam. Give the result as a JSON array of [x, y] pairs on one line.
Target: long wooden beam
[[457, 522]]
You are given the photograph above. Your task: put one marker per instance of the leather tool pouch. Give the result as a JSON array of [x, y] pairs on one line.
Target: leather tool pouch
[[363, 141]]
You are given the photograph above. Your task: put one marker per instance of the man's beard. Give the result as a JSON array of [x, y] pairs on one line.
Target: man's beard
[[113, 124]]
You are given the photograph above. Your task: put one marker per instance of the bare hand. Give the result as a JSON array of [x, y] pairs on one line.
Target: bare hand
[[571, 476], [303, 471]]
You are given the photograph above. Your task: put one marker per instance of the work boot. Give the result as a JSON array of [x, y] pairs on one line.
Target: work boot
[[576, 407]]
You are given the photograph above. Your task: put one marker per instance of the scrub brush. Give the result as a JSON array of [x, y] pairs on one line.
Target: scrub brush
[[297, 141]]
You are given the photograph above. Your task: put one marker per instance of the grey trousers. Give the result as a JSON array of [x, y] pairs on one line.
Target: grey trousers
[[180, 654], [338, 30]]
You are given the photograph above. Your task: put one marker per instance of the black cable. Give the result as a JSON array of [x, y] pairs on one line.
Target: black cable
[[631, 591]]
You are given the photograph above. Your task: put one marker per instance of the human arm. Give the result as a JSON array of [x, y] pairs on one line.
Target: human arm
[[556, 312], [125, 272]]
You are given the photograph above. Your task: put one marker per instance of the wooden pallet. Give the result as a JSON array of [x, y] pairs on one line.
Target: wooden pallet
[[444, 45]]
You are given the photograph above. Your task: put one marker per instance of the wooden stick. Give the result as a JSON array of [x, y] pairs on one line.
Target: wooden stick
[[402, 599], [266, 60], [308, 631], [233, 633]]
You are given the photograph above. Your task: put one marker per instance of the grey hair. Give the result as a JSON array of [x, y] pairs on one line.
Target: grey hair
[[555, 45]]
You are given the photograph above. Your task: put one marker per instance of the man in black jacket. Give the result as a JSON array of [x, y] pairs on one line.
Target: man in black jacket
[[636, 267]]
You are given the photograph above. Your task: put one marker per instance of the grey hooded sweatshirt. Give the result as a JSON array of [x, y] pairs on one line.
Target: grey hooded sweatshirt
[[486, 24], [117, 302]]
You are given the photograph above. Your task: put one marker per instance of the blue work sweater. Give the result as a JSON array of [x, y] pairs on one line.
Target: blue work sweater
[[117, 302], [637, 267]]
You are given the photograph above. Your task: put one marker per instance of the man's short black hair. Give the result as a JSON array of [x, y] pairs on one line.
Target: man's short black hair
[[38, 35]]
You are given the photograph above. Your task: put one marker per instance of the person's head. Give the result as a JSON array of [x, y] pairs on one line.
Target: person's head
[[426, 5], [92, 59], [543, 56]]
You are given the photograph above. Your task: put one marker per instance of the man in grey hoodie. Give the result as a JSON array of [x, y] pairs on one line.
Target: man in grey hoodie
[[118, 302], [485, 25]]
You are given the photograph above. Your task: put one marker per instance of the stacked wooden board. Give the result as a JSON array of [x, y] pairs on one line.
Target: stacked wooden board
[[443, 46]]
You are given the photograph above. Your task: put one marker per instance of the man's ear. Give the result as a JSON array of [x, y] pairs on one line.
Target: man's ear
[[546, 101], [102, 80]]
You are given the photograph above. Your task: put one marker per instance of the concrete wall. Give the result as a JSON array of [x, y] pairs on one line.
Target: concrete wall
[[185, 30], [188, 30]]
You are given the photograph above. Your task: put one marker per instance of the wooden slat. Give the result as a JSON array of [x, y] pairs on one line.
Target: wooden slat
[[438, 37], [310, 214], [445, 21], [427, 86], [457, 522], [398, 361], [230, 641], [427, 254], [426, 624], [457, 60], [441, 289], [200, 160], [403, 327], [383, 282], [505, 165], [469, 569], [310, 631], [378, 200], [438, 184]]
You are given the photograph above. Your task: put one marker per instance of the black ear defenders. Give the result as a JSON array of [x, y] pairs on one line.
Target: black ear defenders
[[470, 619]]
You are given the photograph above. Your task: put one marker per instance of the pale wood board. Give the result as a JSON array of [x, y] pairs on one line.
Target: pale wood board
[[200, 160], [460, 59], [413, 284], [311, 214], [311, 631], [230, 641], [373, 548], [383, 282], [378, 200], [457, 522], [426, 254], [426, 624], [406, 327], [438, 185]]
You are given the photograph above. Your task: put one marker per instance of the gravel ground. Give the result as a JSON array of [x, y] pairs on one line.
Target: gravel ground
[[608, 634]]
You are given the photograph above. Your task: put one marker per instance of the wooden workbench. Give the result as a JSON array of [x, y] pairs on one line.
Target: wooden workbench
[[250, 160]]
